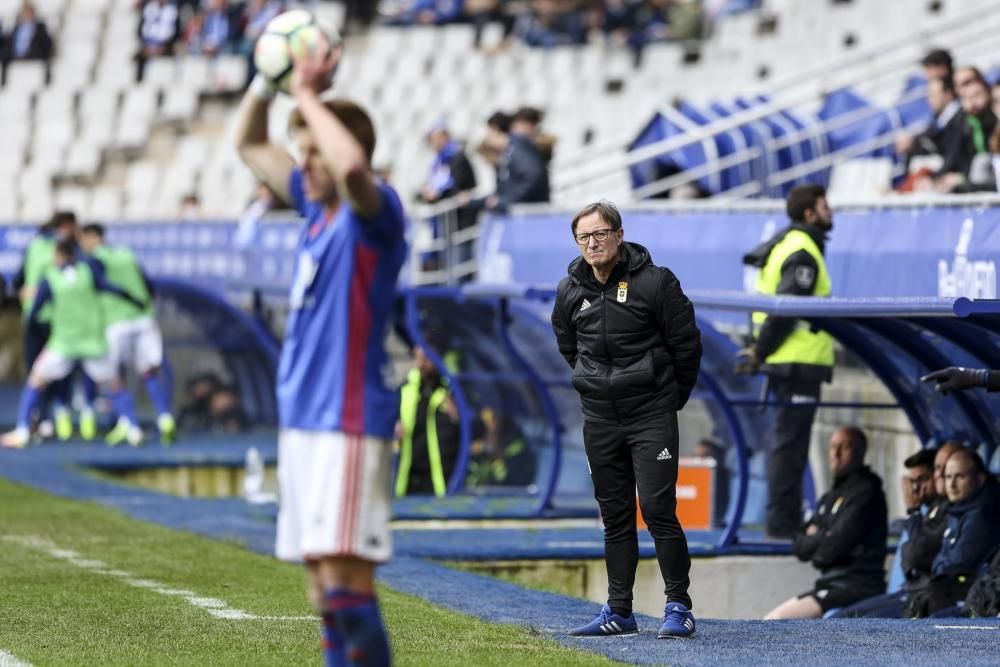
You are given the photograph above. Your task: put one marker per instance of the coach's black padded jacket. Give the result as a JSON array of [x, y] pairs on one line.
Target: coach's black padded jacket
[[848, 547], [632, 343]]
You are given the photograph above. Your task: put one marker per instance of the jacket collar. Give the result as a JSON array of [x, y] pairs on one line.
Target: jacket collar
[[631, 258]]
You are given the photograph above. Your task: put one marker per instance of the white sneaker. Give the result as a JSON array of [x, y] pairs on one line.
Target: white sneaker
[[16, 439], [134, 436]]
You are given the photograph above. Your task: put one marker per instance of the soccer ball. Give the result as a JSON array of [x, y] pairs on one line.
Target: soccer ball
[[296, 32]]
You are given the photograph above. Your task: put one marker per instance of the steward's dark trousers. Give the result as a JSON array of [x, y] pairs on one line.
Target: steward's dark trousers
[[789, 453], [639, 454]]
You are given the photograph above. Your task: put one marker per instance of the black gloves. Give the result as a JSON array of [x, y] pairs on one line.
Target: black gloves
[[956, 378]]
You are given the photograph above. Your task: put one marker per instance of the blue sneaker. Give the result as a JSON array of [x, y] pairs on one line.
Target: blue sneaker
[[678, 622], [607, 624]]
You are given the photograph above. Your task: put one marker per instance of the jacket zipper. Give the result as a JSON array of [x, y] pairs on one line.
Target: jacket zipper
[[607, 374]]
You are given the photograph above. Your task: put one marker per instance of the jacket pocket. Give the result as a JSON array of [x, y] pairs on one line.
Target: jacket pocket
[[589, 376]]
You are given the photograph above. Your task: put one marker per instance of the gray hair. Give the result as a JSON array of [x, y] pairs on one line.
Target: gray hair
[[607, 211]]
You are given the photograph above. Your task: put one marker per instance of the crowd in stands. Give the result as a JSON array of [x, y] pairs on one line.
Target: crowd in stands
[[959, 151], [551, 23], [208, 28]]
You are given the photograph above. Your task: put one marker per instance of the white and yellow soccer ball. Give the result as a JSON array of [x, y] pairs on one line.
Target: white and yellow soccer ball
[[295, 32]]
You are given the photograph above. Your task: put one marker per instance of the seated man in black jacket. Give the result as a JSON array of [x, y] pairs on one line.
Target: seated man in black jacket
[[924, 532], [845, 539]]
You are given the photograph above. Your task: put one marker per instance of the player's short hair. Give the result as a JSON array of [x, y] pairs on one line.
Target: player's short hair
[[529, 115], [60, 218], [66, 247], [352, 115], [499, 121], [802, 199], [605, 209], [937, 58], [94, 229]]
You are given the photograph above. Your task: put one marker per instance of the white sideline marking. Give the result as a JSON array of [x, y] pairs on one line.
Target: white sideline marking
[[214, 606], [8, 660], [967, 627]]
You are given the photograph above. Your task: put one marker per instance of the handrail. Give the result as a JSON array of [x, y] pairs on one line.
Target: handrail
[[743, 117], [809, 75]]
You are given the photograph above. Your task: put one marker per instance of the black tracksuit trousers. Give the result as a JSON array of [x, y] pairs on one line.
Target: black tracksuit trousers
[[640, 454], [789, 453]]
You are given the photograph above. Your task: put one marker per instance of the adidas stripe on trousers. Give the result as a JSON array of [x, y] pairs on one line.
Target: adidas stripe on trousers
[[623, 459]]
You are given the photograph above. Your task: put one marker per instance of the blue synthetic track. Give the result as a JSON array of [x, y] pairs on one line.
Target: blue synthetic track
[[61, 469]]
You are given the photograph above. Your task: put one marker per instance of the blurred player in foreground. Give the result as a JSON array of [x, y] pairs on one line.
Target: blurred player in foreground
[[336, 412]]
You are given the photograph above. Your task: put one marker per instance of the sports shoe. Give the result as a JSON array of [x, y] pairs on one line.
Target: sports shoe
[[64, 425], [16, 439], [134, 436], [678, 622], [88, 425], [117, 435], [168, 429], [606, 623]]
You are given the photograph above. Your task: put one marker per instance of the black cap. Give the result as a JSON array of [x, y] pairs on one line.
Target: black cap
[[925, 457]]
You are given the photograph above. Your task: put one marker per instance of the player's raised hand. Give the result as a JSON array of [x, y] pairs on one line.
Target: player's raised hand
[[313, 71]]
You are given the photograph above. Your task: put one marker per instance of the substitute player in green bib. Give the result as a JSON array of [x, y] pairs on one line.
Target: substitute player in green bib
[[38, 259], [134, 338], [72, 288]]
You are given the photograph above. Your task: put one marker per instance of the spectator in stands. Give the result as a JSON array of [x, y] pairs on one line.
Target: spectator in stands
[[522, 173], [248, 227], [845, 539], [995, 97], [450, 172], [426, 12], [482, 12], [926, 500], [937, 64], [796, 359], [527, 122], [190, 208], [970, 169], [944, 135], [29, 39], [428, 430], [549, 23], [158, 28], [209, 31]]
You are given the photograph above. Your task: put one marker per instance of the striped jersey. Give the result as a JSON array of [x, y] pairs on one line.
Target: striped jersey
[[334, 372]]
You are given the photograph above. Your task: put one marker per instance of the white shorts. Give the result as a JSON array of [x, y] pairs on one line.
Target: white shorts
[[50, 366], [136, 344], [334, 496]]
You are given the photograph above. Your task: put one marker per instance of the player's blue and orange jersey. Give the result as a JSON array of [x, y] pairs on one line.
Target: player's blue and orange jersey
[[334, 371]]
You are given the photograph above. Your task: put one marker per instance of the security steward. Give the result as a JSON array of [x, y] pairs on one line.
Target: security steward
[[796, 358], [845, 539], [628, 332], [428, 431]]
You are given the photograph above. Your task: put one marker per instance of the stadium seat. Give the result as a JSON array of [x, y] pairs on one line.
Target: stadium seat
[[24, 77], [83, 158], [105, 204]]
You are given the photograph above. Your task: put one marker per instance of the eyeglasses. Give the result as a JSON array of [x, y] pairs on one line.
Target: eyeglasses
[[598, 235]]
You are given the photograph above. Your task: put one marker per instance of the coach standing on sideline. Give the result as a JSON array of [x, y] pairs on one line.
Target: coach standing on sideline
[[627, 330]]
